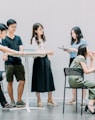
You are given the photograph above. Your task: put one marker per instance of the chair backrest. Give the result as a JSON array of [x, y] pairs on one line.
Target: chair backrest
[[73, 71]]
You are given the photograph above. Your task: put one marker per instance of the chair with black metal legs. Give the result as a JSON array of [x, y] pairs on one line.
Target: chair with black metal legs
[[73, 72]]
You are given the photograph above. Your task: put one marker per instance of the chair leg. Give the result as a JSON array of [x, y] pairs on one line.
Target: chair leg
[[76, 100], [64, 100], [82, 102]]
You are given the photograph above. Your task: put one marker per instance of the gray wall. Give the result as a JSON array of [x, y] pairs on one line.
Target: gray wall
[[57, 17]]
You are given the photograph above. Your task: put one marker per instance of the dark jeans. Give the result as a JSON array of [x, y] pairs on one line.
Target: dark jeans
[[2, 98], [1, 78]]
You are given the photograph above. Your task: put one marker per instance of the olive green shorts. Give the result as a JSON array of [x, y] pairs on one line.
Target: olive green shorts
[[15, 70]]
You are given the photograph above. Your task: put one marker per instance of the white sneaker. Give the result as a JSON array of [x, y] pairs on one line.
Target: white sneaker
[[13, 104]]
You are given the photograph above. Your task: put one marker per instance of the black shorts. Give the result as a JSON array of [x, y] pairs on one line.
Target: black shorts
[[17, 70]]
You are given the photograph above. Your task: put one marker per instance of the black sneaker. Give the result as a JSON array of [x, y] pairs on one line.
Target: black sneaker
[[20, 104]]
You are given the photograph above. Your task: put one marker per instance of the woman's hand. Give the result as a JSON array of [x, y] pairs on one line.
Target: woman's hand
[[93, 52], [50, 52], [91, 55]]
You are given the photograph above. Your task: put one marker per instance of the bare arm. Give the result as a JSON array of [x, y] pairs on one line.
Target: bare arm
[[89, 69], [6, 49], [49, 52], [21, 48], [70, 50]]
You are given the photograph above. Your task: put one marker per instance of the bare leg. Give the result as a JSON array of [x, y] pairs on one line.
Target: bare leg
[[73, 100], [49, 96], [91, 102], [39, 102], [84, 93], [51, 102], [38, 97], [74, 94], [90, 105], [20, 89], [10, 90]]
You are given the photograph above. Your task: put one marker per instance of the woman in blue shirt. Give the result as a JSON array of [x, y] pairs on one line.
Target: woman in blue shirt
[[76, 40]]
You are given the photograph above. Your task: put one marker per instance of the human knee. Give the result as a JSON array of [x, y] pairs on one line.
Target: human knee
[[10, 84], [22, 83]]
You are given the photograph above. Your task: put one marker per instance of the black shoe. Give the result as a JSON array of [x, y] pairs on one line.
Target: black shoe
[[20, 104], [87, 109]]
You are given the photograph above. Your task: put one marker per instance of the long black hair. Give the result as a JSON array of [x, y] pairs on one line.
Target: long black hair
[[34, 34], [82, 50], [79, 34]]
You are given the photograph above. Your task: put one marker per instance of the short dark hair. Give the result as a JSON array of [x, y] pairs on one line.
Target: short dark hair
[[3, 27], [82, 50], [10, 22]]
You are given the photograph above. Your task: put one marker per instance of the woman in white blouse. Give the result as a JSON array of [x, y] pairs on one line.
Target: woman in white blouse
[[42, 78]]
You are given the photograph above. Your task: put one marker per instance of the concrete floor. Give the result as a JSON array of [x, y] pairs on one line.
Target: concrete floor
[[49, 113]]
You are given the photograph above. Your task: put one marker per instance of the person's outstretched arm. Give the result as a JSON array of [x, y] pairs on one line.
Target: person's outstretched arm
[[6, 49]]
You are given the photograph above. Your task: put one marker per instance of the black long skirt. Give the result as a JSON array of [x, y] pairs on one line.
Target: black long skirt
[[42, 78]]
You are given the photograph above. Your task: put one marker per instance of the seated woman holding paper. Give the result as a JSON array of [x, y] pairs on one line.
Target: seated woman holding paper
[[80, 62]]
